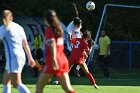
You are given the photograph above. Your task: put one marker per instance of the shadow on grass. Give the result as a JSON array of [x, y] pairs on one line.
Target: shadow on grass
[[123, 78]]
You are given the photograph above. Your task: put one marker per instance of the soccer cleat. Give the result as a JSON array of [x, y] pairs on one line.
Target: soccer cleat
[[95, 86]]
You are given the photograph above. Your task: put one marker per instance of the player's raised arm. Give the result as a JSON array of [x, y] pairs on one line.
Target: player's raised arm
[[69, 30]]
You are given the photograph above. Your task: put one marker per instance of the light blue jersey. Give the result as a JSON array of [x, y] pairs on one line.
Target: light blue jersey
[[12, 37]]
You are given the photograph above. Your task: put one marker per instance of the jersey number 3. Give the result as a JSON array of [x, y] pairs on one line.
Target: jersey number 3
[[77, 44]]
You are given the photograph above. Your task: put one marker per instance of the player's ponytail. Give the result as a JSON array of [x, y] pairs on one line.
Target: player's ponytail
[[53, 21]]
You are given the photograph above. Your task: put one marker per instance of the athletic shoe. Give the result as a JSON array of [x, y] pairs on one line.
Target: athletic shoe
[[95, 86]]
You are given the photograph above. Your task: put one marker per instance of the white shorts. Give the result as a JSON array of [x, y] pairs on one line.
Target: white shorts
[[15, 65]]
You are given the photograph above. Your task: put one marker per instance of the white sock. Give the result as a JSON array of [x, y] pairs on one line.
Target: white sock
[[6, 89], [77, 67], [22, 88]]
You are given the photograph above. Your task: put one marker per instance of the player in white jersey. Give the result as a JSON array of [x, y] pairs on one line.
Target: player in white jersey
[[14, 39], [73, 30]]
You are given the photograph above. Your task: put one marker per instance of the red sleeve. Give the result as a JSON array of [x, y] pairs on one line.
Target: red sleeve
[[85, 45], [49, 33]]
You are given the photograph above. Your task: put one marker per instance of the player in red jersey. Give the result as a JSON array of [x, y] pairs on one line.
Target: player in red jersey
[[56, 61], [80, 53]]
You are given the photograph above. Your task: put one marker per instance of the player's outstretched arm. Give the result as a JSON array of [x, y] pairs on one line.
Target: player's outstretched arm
[[28, 52]]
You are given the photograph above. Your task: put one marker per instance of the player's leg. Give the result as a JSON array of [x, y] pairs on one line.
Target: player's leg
[[65, 83], [17, 83], [15, 75], [101, 63], [6, 83], [70, 66], [88, 74], [106, 68], [44, 78]]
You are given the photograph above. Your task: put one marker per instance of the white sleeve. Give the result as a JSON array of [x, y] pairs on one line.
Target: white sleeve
[[69, 28], [2, 32], [23, 34]]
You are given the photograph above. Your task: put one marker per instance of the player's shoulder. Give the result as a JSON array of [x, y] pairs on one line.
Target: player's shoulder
[[84, 42], [107, 37], [48, 29], [70, 25], [16, 25]]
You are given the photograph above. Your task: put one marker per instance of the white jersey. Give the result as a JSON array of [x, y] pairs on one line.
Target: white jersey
[[12, 36], [72, 30]]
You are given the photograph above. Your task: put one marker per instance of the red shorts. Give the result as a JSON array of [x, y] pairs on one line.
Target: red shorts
[[63, 67], [77, 61]]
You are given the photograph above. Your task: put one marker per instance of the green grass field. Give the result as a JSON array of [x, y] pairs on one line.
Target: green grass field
[[122, 81]]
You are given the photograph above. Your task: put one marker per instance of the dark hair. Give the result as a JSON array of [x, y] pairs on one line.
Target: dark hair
[[87, 34], [77, 21], [52, 20]]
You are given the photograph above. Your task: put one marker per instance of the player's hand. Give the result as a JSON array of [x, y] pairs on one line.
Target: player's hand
[[55, 65], [32, 62]]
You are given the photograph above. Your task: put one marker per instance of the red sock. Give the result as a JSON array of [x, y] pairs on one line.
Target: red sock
[[71, 91], [91, 78]]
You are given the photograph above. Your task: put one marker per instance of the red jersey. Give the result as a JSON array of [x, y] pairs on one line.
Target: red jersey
[[77, 53], [60, 56]]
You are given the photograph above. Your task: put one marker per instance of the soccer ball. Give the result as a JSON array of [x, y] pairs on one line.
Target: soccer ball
[[90, 5]]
